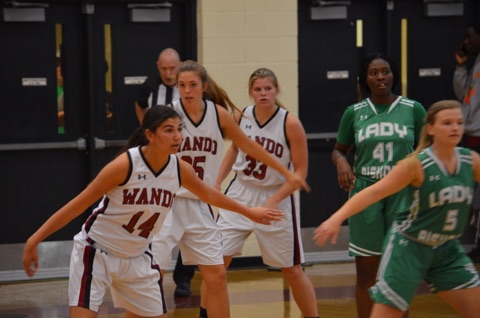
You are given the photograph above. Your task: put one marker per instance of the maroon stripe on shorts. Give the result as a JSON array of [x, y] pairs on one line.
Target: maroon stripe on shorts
[[86, 284], [296, 241]]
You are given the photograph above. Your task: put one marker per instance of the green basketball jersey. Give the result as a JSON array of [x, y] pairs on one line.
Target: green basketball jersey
[[440, 207], [382, 136]]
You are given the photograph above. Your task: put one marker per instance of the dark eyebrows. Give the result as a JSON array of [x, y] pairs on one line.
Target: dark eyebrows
[[170, 126]]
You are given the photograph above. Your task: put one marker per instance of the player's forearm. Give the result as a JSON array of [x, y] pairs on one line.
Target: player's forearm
[[216, 198], [338, 155], [256, 151]]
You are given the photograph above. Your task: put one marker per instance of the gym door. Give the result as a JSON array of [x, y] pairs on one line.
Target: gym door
[[332, 41], [70, 75]]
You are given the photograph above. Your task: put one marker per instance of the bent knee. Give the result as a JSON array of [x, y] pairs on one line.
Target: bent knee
[[293, 271], [213, 274]]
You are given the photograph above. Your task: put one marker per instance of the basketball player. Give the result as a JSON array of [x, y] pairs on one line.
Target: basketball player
[[203, 107], [423, 243], [112, 249], [383, 128], [282, 134]]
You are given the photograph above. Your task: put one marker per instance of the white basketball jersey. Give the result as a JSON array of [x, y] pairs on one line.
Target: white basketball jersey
[[202, 144], [272, 137], [131, 213]]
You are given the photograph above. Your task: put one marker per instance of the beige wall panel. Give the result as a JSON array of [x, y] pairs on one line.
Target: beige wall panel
[[223, 51], [269, 50], [223, 5], [224, 24], [234, 75], [276, 24], [271, 5]]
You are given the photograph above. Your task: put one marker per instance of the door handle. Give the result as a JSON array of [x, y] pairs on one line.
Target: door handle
[[102, 143], [79, 144]]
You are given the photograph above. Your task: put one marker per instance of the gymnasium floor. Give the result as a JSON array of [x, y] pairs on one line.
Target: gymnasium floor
[[254, 293]]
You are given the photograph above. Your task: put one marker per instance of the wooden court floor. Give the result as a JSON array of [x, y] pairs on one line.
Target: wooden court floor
[[254, 293]]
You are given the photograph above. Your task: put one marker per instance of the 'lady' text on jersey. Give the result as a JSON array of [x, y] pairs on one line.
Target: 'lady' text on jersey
[[453, 194], [383, 129]]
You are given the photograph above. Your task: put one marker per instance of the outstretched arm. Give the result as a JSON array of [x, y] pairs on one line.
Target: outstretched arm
[[212, 196], [113, 174], [407, 171]]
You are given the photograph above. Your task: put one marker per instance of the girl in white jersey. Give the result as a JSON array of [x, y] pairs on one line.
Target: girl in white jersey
[[422, 244], [112, 249], [282, 134], [203, 106]]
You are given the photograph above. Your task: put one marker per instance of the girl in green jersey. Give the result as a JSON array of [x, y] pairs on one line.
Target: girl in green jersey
[[382, 128], [422, 244]]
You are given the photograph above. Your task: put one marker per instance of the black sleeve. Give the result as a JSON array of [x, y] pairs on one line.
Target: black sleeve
[[148, 88]]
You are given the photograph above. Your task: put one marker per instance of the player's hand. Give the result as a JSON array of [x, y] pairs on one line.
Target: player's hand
[[345, 175], [298, 182], [30, 257], [264, 215], [326, 230]]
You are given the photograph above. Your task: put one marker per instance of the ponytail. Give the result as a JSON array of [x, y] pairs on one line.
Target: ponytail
[[213, 92]]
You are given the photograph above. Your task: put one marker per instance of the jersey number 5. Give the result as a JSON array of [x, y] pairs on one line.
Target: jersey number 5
[[451, 220]]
